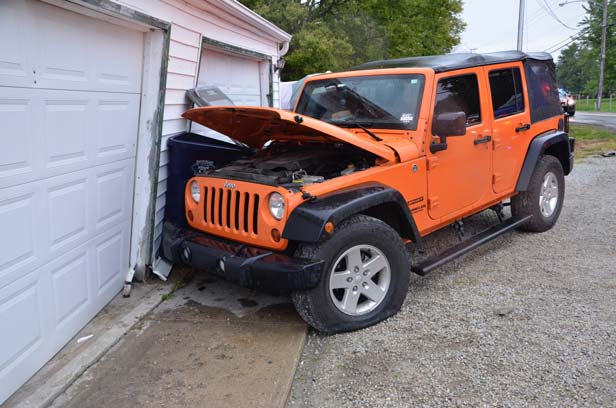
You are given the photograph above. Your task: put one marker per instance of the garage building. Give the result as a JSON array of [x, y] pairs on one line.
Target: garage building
[[90, 92]]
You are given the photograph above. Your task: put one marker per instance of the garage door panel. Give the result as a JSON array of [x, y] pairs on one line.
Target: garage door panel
[[116, 125], [15, 66], [67, 205], [77, 52], [19, 253], [16, 157], [20, 303], [70, 289], [112, 194], [109, 266], [117, 68], [58, 132], [63, 60], [236, 76], [45, 308], [64, 127], [50, 216]]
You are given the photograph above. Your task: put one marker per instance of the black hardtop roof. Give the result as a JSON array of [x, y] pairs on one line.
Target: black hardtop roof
[[450, 62]]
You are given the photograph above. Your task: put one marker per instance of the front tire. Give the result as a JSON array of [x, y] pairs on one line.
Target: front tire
[[365, 277], [543, 200]]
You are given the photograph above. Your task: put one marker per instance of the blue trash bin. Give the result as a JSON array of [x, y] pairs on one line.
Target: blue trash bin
[[184, 150]]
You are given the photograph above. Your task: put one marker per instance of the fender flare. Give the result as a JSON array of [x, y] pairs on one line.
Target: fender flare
[[307, 221], [556, 143]]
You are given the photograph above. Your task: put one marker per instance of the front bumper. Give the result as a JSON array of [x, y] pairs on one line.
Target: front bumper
[[247, 266]]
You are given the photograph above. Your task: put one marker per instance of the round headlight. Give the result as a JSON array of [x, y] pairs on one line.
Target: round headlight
[[195, 191], [276, 205]]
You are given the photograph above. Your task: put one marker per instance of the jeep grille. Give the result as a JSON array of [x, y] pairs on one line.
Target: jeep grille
[[232, 209]]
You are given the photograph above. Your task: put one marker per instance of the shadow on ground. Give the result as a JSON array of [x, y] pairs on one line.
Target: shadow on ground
[[209, 344]]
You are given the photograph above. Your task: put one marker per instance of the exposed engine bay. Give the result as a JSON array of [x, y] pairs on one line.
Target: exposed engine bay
[[292, 165]]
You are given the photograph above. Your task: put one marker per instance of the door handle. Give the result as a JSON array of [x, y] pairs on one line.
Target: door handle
[[523, 127], [484, 139]]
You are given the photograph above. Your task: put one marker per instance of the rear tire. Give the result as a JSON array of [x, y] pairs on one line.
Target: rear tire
[[543, 200], [365, 277]]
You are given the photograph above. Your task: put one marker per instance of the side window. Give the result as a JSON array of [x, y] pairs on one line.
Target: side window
[[459, 94], [506, 90], [542, 90]]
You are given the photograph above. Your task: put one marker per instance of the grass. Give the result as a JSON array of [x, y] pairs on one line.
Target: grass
[[591, 140], [178, 285], [588, 105]]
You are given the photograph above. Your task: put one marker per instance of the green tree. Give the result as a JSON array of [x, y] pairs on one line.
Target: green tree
[[578, 65], [577, 69], [337, 34]]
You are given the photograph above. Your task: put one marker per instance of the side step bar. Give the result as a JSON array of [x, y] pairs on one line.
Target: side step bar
[[466, 246]]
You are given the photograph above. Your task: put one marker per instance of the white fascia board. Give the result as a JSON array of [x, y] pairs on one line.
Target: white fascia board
[[245, 14]]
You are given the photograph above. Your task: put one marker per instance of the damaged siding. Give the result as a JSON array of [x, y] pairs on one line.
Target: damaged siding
[[190, 21], [184, 50]]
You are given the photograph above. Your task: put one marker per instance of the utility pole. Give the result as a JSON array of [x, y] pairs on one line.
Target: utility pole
[[602, 63], [521, 24]]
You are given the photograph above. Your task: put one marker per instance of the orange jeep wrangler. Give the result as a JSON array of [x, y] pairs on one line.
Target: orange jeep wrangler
[[369, 161]]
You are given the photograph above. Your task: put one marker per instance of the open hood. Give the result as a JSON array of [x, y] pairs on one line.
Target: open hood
[[255, 126]]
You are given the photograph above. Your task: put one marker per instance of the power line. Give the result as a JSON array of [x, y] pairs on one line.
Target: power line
[[569, 40], [548, 9], [536, 15]]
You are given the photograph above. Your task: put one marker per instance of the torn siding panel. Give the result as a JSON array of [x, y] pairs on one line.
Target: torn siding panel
[[184, 50]]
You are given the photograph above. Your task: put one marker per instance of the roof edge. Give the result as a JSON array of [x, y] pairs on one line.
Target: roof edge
[[245, 14]]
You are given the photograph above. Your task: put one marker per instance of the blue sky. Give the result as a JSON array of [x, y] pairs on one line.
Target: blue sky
[[491, 25]]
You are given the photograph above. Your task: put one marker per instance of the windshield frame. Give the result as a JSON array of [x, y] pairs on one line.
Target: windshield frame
[[369, 123]]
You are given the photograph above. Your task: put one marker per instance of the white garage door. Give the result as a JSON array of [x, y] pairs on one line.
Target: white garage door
[[69, 108], [238, 77]]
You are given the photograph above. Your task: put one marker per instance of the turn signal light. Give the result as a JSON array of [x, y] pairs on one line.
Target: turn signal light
[[275, 235], [329, 227]]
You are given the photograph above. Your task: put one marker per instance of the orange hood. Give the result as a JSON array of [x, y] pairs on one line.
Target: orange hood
[[255, 126]]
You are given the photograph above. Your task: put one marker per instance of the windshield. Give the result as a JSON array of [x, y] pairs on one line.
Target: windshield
[[384, 101]]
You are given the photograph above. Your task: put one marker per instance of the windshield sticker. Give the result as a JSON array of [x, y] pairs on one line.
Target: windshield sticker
[[414, 81], [406, 118]]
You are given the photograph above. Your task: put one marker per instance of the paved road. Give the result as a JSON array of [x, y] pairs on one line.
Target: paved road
[[604, 119]]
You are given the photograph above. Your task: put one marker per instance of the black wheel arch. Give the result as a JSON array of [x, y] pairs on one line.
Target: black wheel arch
[[307, 221], [553, 143]]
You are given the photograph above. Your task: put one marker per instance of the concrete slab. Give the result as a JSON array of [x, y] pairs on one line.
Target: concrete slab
[[211, 344], [88, 346]]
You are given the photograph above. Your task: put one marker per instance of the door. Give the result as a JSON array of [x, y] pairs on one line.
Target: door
[[510, 123], [70, 89], [459, 176], [238, 77]]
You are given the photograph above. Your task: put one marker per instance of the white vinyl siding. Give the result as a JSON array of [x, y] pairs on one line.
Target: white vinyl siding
[[184, 49]]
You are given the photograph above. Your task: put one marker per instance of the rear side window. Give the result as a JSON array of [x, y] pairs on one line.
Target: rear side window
[[459, 94], [542, 90], [506, 90]]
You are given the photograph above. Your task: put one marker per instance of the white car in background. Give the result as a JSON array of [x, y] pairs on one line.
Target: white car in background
[[567, 102]]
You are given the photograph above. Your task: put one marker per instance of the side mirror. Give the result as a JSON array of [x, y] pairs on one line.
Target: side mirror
[[447, 124]]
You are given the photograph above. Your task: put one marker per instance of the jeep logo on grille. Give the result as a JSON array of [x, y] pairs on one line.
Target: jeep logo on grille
[[229, 184]]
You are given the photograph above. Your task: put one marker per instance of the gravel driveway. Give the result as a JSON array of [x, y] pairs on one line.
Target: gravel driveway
[[527, 320]]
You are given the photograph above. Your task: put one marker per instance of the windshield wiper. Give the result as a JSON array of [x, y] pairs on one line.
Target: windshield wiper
[[365, 129]]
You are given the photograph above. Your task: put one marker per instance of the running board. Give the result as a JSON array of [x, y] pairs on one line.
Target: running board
[[466, 246]]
